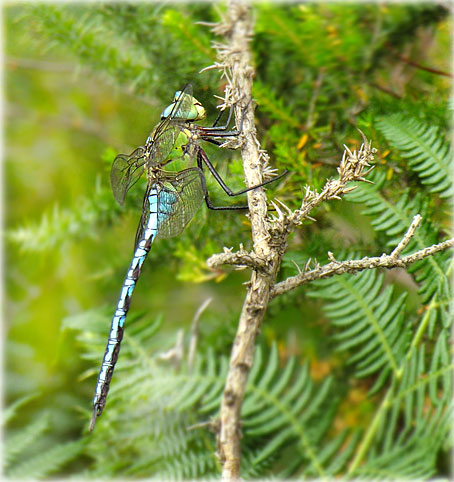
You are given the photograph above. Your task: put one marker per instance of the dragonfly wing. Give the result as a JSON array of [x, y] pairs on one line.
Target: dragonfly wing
[[166, 133], [125, 172], [179, 199]]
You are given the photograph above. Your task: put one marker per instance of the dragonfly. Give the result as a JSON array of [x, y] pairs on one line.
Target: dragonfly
[[172, 197]]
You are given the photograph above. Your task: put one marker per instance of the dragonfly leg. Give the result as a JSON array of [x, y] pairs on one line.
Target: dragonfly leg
[[218, 118], [214, 141], [202, 158], [227, 208], [221, 131], [223, 208]]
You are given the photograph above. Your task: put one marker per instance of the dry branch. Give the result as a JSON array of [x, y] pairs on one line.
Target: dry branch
[[235, 60], [270, 233], [390, 261]]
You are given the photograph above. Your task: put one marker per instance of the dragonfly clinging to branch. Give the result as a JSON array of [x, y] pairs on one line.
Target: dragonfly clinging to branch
[[171, 199]]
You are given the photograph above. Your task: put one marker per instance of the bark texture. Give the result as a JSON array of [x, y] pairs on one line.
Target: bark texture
[[238, 30]]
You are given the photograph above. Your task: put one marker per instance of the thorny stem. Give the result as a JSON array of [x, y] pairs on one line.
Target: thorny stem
[[236, 61], [355, 265], [270, 234]]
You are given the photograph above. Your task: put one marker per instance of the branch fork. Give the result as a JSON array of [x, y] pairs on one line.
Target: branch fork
[[239, 259], [389, 261]]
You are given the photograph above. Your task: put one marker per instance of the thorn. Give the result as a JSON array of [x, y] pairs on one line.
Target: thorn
[[284, 206], [208, 24], [349, 189], [297, 267], [368, 171], [365, 140], [205, 69], [276, 207], [350, 154], [213, 425]]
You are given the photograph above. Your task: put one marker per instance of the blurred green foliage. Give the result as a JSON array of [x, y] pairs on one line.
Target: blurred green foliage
[[86, 81]]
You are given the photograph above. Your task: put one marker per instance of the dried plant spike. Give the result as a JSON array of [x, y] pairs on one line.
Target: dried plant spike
[[331, 257]]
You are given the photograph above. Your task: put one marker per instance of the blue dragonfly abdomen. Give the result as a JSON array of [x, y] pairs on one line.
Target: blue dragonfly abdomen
[[165, 213], [141, 251]]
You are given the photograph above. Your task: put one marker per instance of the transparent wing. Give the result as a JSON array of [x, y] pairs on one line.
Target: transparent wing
[[166, 133], [180, 196], [179, 199], [126, 171]]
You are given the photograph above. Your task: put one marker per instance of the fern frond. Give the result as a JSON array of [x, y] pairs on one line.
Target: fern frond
[[11, 411], [393, 219], [48, 462], [389, 216], [191, 465], [17, 443], [371, 322], [62, 225], [154, 406], [155, 411], [413, 417], [80, 32], [408, 458], [285, 409], [427, 151]]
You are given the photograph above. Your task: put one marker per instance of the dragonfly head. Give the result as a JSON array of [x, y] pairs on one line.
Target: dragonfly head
[[192, 111]]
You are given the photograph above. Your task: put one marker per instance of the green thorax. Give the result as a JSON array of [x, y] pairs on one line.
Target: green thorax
[[179, 130], [184, 148], [183, 151]]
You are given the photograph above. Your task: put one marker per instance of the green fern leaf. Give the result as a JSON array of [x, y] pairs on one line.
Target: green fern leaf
[[156, 405], [394, 219], [371, 322], [287, 414], [414, 415], [17, 443], [11, 411], [63, 225], [428, 153], [46, 463]]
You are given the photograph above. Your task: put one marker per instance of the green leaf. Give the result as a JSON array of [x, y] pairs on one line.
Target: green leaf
[[428, 153], [46, 463]]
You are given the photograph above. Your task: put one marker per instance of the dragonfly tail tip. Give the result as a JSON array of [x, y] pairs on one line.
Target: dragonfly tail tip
[[93, 419]]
